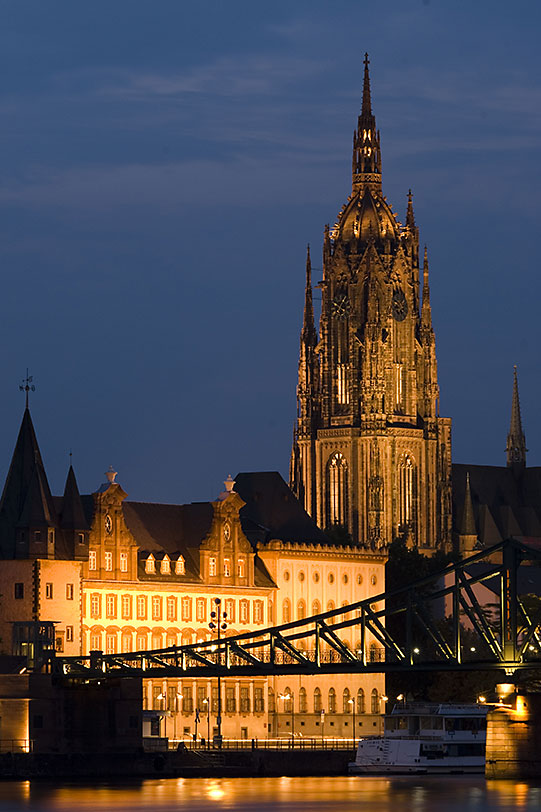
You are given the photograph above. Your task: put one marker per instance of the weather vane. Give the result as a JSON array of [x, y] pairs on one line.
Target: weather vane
[[27, 385]]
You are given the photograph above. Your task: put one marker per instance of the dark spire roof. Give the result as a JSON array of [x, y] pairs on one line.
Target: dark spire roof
[[467, 525], [26, 490], [73, 515], [308, 329], [516, 441], [366, 108]]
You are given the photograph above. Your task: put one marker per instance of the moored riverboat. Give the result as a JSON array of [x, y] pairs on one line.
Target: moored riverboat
[[425, 738]]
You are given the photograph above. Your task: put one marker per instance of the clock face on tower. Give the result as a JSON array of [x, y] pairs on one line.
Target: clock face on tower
[[108, 525], [399, 305], [340, 304]]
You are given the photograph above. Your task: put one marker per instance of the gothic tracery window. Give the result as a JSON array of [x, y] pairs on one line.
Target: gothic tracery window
[[337, 489], [407, 486]]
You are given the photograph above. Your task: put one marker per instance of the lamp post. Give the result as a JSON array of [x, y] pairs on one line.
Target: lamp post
[[352, 703], [285, 697], [178, 697], [218, 624], [207, 702]]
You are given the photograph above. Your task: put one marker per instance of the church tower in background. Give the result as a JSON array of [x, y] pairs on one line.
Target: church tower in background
[[371, 453]]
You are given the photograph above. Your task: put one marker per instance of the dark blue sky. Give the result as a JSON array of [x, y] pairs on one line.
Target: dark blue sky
[[162, 167]]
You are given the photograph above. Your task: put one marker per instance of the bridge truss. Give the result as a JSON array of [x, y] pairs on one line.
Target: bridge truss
[[469, 616]]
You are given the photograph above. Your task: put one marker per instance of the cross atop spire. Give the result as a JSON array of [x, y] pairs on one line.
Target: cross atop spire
[[516, 441], [27, 386]]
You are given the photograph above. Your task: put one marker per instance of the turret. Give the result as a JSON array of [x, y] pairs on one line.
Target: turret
[[516, 441], [366, 147]]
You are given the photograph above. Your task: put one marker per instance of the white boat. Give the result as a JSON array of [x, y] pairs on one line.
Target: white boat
[[426, 738]]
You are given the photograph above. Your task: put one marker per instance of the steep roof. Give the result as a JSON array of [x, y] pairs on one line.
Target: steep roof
[[503, 503], [273, 512], [72, 513]]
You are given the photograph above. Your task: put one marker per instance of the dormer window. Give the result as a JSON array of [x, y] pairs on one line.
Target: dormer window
[[227, 567], [180, 566], [241, 572], [165, 567], [150, 564], [212, 567]]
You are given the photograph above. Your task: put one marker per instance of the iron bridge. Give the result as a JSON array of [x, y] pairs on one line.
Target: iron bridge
[[420, 627]]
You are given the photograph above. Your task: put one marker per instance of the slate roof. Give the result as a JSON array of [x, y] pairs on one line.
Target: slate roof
[[505, 503], [273, 512]]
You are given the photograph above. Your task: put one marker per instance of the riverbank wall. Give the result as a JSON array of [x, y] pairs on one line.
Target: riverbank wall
[[189, 763]]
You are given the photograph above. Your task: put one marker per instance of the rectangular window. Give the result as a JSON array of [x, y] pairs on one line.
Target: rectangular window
[[108, 562], [141, 642], [59, 643], [201, 609], [212, 567], [259, 702], [141, 607], [165, 566], [227, 567], [69, 634], [186, 608], [19, 591], [49, 591], [156, 607], [126, 607], [201, 697], [240, 568], [244, 699], [92, 560], [126, 641], [171, 609], [230, 704], [214, 702], [230, 609], [123, 562], [81, 538], [50, 535], [110, 606], [69, 592], [95, 604], [244, 608], [187, 699], [258, 611]]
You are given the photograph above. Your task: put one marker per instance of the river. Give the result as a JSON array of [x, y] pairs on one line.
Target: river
[[411, 794]]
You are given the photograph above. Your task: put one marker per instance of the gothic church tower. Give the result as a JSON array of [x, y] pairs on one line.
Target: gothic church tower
[[371, 453]]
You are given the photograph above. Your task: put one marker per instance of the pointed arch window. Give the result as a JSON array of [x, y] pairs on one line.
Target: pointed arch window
[[337, 490], [407, 487]]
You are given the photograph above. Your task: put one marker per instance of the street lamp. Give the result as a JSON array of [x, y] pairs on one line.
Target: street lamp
[[291, 696], [352, 703], [218, 624], [178, 697], [207, 703]]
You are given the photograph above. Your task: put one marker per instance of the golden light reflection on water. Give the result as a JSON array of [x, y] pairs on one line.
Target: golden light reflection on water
[[320, 794]]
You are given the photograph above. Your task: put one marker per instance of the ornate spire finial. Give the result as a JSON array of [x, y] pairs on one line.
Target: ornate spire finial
[[111, 474], [308, 327], [426, 313], [516, 441], [27, 386], [366, 108], [229, 484]]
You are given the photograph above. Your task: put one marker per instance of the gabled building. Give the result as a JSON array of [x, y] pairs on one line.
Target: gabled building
[[120, 576]]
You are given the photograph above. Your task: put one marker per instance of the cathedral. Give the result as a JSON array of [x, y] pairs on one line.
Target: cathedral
[[370, 464], [371, 453]]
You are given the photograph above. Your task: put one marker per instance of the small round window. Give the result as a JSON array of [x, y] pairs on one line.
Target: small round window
[[359, 579], [316, 577], [286, 576], [301, 576], [373, 580], [345, 578], [331, 578]]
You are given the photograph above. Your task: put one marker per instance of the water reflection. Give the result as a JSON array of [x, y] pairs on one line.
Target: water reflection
[[427, 794]]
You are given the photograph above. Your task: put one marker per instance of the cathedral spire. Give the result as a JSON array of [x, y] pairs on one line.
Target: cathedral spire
[[308, 327], [516, 441], [426, 313], [366, 149], [366, 109], [410, 216]]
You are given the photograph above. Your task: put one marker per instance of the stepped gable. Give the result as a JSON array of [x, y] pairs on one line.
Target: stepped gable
[[273, 512]]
